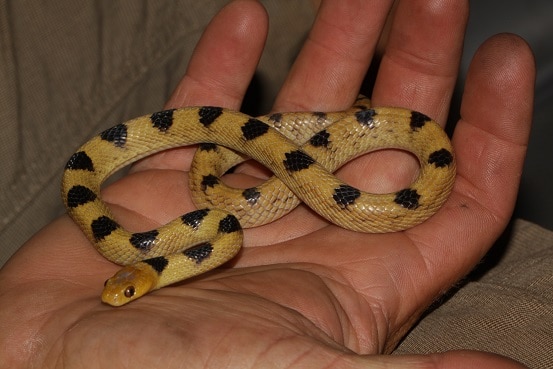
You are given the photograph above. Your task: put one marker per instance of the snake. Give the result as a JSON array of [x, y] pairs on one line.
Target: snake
[[302, 149]]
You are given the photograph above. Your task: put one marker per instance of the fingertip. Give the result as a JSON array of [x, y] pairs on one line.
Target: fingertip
[[505, 49], [499, 89], [255, 14], [246, 20], [225, 57], [329, 70]]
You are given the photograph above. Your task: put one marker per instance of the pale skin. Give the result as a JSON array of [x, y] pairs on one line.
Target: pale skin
[[302, 293]]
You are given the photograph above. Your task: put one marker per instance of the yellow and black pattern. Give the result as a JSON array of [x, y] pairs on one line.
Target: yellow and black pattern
[[302, 164]]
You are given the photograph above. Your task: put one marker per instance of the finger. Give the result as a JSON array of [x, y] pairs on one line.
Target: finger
[[328, 72], [225, 58], [490, 142], [219, 70], [420, 63], [418, 71]]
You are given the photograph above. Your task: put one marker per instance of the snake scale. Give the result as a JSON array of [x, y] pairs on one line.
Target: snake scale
[[301, 149]]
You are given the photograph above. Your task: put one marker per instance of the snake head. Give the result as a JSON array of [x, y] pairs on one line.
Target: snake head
[[127, 285]]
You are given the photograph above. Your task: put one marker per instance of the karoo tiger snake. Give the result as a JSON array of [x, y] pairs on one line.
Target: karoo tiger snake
[[301, 149]]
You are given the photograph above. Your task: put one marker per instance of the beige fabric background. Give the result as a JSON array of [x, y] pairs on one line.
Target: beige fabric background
[[70, 69], [507, 309]]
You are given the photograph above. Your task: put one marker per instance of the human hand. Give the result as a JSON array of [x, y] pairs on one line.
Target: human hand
[[302, 293]]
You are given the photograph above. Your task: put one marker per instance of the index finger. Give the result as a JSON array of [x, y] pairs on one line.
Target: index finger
[[219, 70]]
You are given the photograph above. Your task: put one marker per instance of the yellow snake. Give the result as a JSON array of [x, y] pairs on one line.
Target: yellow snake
[[308, 148]]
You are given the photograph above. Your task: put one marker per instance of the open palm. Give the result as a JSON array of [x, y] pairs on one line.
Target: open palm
[[302, 293]]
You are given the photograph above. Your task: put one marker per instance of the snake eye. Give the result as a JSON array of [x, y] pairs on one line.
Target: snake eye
[[129, 292]]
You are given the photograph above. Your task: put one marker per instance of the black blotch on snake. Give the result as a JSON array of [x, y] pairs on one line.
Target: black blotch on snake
[[320, 138], [199, 252], [297, 160], [194, 218], [209, 181], [407, 198], [275, 117], [229, 224], [346, 195], [117, 135], [321, 116], [418, 120], [208, 114], [162, 120], [144, 241], [440, 158], [254, 128], [158, 263], [205, 146], [79, 195], [366, 117], [251, 195], [80, 160], [103, 226]]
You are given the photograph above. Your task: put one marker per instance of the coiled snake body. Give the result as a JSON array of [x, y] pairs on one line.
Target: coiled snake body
[[302, 160]]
